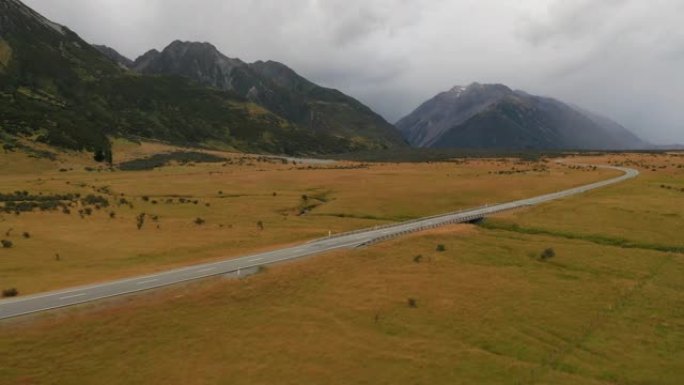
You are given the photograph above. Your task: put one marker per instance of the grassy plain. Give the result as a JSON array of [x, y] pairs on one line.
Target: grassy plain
[[231, 198], [487, 310]]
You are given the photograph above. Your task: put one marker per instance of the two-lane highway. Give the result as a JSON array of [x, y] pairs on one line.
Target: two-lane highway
[[73, 296]]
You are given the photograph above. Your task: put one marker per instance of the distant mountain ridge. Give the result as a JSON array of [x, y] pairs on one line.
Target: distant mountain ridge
[[115, 56], [58, 89], [494, 116], [274, 86]]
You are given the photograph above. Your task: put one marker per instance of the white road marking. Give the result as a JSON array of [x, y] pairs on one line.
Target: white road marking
[[255, 260], [147, 281], [72, 296]]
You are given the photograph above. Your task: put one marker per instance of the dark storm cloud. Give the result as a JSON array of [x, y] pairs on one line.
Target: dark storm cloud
[[622, 58]]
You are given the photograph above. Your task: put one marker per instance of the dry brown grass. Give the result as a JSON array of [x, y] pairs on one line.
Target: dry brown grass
[[238, 195], [488, 312]]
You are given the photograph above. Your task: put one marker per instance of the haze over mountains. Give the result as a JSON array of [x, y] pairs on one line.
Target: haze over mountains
[[61, 90], [494, 116]]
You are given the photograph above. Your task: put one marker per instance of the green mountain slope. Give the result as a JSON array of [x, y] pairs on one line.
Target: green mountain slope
[[56, 88], [276, 87]]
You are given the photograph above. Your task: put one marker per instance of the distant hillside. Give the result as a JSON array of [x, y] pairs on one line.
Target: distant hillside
[[494, 116], [276, 87], [116, 57], [58, 89]]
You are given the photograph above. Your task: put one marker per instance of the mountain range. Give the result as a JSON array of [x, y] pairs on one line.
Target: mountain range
[[494, 116], [59, 89], [273, 86]]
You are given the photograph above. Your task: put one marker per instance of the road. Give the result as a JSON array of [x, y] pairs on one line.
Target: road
[[51, 300]]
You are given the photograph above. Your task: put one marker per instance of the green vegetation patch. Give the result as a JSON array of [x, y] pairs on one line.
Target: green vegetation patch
[[23, 201], [160, 160], [594, 238]]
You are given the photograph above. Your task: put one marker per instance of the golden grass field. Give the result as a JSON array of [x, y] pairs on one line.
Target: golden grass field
[[231, 199], [607, 309]]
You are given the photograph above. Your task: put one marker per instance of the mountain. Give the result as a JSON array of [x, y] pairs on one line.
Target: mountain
[[275, 87], [494, 116], [44, 71], [116, 57], [58, 89]]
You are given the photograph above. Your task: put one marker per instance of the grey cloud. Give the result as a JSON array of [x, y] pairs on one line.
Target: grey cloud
[[622, 58], [573, 20]]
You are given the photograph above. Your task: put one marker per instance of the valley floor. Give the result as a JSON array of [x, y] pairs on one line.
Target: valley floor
[[606, 309], [139, 222]]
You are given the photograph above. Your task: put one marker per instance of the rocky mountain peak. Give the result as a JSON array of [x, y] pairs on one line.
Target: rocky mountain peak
[[197, 60], [491, 89], [15, 15], [115, 56], [493, 115]]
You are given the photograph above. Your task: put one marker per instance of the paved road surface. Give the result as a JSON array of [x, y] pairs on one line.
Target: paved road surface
[[51, 300]]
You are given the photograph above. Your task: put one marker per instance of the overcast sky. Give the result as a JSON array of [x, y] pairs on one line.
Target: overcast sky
[[621, 58]]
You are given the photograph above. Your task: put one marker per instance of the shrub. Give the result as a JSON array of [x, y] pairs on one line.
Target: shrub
[[199, 221], [441, 248], [140, 220], [112, 214], [418, 258], [260, 225], [95, 200], [11, 292], [547, 254], [6, 244], [412, 303], [26, 235]]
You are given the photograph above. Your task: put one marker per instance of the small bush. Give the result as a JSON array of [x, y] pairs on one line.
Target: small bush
[[6, 244], [260, 225], [11, 292], [412, 303], [418, 258], [199, 221], [140, 220], [441, 248], [547, 254], [26, 235]]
